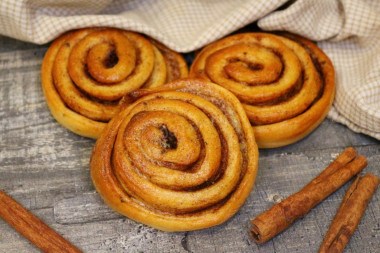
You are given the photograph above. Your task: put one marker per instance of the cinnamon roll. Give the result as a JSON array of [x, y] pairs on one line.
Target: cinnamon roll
[[178, 157], [86, 72], [286, 84]]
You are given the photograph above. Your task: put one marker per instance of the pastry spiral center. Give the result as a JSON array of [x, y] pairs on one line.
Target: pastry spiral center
[[164, 137], [169, 141], [247, 64]]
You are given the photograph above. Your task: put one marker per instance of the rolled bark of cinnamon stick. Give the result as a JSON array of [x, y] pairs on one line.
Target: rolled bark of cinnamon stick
[[32, 228], [283, 214], [349, 214]]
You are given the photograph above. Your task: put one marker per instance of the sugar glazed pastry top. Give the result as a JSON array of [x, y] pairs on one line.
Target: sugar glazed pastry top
[[286, 83], [179, 157], [86, 72]]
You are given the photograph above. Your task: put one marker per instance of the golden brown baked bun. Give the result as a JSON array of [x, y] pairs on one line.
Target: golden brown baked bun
[[178, 157], [86, 72], [286, 84]]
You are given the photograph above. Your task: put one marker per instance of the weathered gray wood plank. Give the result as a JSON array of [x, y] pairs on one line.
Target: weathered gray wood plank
[[45, 168]]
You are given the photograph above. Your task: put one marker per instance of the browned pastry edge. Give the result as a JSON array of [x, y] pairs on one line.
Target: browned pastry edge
[[70, 118], [295, 129], [65, 116], [115, 195]]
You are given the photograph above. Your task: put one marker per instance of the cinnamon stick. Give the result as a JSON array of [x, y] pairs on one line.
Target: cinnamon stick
[[32, 228], [283, 214], [349, 213]]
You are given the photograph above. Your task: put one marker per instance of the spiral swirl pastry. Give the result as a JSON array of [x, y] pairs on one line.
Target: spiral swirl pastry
[[178, 157], [286, 84], [86, 72]]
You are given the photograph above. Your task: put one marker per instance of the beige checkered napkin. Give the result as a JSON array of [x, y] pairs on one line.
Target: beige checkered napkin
[[347, 30], [182, 25]]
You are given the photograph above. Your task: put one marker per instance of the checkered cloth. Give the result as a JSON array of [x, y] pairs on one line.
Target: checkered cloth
[[347, 30]]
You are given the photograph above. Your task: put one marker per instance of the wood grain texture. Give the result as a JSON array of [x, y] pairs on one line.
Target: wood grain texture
[[46, 169]]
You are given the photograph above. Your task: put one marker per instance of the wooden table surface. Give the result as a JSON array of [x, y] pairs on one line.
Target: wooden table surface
[[45, 168]]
